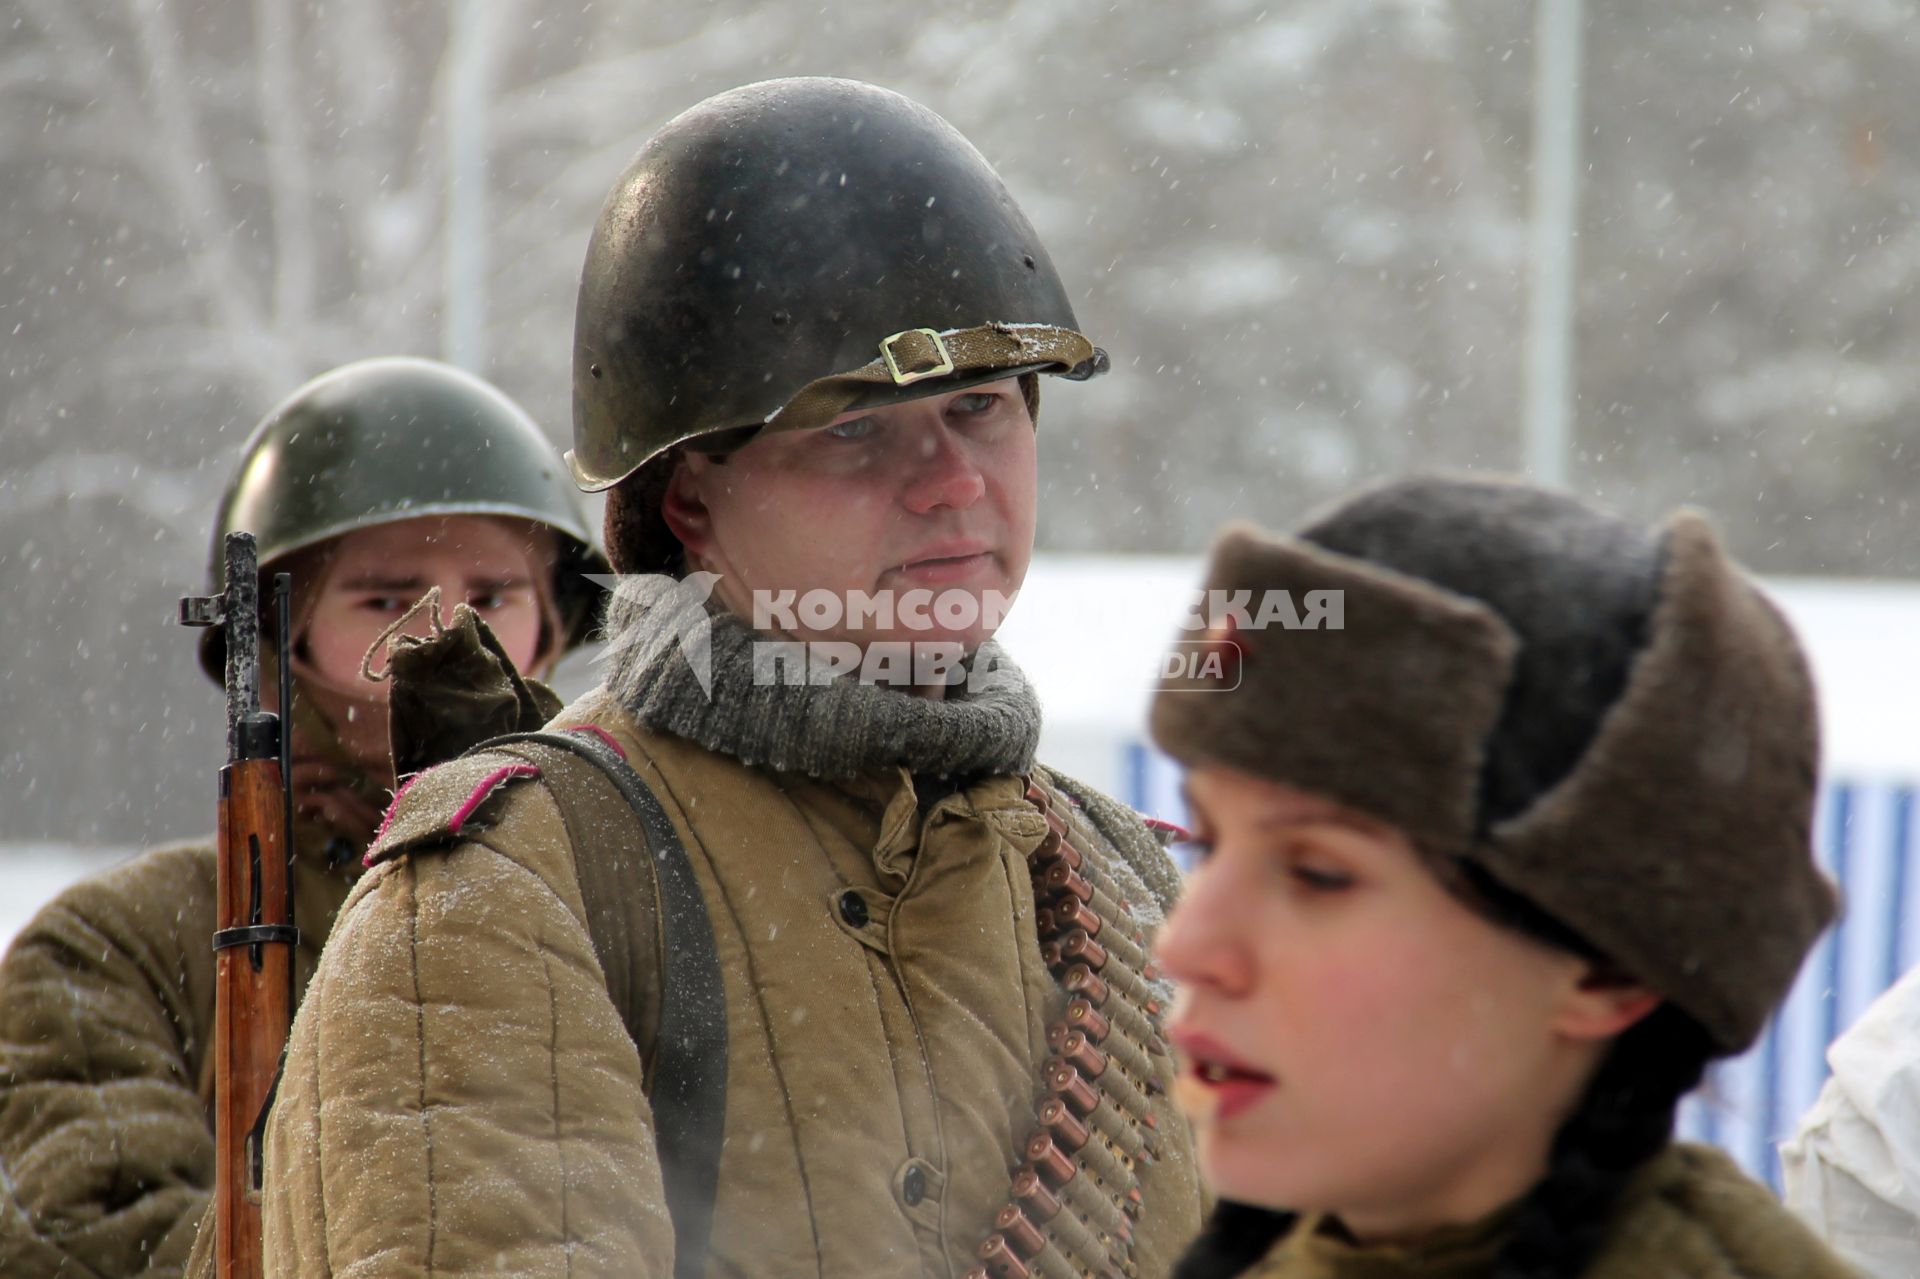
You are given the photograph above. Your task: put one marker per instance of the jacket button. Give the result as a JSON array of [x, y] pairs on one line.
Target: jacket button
[[853, 909], [913, 1186]]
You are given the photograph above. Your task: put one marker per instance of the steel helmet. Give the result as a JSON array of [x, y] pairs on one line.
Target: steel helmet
[[789, 250], [390, 439]]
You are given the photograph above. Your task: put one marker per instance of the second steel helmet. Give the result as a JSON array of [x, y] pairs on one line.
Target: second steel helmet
[[390, 439], [786, 251]]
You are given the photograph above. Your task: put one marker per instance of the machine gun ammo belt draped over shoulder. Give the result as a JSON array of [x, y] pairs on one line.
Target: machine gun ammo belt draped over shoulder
[[1077, 1194]]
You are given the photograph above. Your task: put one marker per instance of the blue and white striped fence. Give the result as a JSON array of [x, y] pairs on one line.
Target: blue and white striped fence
[[1865, 837]]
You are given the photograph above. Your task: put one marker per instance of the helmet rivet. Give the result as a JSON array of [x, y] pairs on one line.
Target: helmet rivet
[[1027, 259], [780, 319], [594, 369]]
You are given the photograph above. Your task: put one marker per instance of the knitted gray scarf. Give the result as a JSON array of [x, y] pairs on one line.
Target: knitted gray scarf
[[686, 668]]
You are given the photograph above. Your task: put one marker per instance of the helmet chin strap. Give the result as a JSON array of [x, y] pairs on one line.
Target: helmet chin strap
[[918, 355]]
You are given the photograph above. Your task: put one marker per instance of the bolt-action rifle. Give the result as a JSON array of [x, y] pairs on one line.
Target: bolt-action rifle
[[255, 937]]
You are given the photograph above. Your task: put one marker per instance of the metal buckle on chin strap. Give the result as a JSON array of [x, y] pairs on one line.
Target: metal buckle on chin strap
[[942, 367]]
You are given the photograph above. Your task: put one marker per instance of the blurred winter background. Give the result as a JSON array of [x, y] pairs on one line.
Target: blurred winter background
[[1666, 255]]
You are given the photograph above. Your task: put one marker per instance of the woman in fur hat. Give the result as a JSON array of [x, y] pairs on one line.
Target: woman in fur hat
[[1492, 870]]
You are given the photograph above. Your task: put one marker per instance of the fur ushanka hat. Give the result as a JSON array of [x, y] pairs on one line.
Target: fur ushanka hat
[[1614, 724]]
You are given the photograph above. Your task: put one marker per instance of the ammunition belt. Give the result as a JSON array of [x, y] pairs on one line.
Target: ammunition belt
[[1076, 1193]]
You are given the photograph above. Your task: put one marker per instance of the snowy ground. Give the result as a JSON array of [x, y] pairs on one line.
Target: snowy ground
[[31, 874]]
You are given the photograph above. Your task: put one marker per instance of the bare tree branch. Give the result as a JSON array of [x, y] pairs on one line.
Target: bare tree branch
[[283, 125], [187, 175]]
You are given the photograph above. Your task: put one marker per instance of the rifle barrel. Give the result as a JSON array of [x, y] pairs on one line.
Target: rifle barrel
[[243, 639]]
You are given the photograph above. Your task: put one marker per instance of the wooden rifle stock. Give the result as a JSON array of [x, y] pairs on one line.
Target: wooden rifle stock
[[252, 1001], [255, 937]]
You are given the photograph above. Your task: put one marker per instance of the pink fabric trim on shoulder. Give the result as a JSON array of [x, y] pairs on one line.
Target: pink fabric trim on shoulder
[[387, 820], [600, 733], [485, 788]]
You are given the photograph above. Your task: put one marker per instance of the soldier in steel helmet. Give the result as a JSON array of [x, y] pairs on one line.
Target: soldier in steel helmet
[[810, 332], [370, 484]]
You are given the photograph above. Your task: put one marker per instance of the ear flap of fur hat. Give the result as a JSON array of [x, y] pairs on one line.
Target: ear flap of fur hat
[[1680, 844], [1677, 843], [1385, 711]]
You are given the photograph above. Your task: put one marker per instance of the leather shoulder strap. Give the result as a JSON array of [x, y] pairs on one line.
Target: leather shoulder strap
[[646, 915]]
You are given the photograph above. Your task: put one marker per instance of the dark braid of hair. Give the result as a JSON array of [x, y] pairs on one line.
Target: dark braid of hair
[[1624, 1119]]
